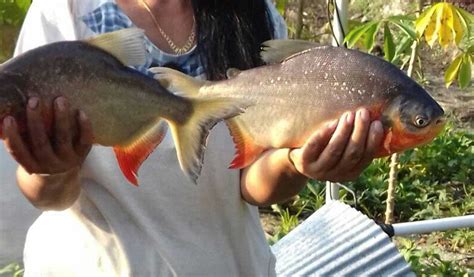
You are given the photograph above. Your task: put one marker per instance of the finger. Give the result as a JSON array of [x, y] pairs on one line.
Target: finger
[[315, 144], [333, 152], [62, 130], [16, 146], [374, 140], [85, 140], [355, 149], [40, 143]]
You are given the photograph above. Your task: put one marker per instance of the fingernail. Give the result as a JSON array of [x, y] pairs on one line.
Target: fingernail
[[82, 116], [349, 117], [363, 114], [332, 124], [377, 126], [33, 103], [8, 122], [60, 103]]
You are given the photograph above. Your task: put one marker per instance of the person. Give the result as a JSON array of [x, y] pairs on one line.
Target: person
[[16, 213], [94, 223]]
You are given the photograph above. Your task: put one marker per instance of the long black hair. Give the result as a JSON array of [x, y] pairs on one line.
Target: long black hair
[[230, 33]]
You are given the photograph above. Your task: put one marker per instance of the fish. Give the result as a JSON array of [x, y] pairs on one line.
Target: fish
[[304, 86], [128, 110]]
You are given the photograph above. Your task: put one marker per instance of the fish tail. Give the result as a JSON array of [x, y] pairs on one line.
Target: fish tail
[[190, 137], [177, 82]]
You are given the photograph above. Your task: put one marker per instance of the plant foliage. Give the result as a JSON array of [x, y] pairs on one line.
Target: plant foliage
[[442, 22], [12, 12]]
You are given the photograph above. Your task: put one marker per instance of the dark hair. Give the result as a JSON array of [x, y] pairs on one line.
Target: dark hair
[[230, 33]]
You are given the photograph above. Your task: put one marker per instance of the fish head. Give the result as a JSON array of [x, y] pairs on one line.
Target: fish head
[[12, 99], [411, 119]]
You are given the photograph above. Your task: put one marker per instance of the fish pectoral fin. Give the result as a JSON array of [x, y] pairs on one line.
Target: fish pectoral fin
[[127, 45], [131, 156], [177, 82], [278, 50], [246, 151], [190, 137], [385, 149]]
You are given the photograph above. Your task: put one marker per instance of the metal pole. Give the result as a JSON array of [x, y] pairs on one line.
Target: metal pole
[[434, 225], [340, 18], [340, 28]]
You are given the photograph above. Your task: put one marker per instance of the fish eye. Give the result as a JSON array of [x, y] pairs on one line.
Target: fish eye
[[421, 121]]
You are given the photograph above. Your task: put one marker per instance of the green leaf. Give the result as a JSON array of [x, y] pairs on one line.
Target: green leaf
[[406, 28], [356, 34], [401, 47], [370, 35], [452, 71], [281, 6], [388, 45], [467, 19], [23, 5], [403, 17], [464, 77]]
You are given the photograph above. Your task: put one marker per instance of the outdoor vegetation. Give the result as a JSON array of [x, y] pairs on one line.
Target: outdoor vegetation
[[434, 42]]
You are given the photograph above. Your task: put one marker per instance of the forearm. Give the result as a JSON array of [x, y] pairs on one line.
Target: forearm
[[271, 179], [52, 192]]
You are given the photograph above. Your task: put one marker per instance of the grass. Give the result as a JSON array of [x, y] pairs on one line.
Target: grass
[[13, 270]]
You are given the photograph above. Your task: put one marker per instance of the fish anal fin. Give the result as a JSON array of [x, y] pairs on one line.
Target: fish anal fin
[[127, 45], [131, 156], [246, 151]]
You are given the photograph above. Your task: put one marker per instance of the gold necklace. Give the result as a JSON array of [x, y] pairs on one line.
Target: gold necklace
[[177, 50]]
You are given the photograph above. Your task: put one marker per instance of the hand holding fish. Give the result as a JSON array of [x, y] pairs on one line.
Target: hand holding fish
[[337, 152], [48, 175], [340, 151]]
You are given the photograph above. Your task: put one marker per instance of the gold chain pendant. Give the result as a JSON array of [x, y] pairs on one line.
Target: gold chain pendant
[[177, 50]]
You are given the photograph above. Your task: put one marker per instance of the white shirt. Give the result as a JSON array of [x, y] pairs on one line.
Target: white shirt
[[167, 226]]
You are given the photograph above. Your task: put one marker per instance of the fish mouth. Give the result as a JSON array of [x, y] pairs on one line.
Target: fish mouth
[[440, 122], [437, 126]]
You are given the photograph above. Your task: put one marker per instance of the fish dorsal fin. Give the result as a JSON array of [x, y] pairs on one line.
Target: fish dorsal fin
[[278, 50], [127, 45], [232, 72]]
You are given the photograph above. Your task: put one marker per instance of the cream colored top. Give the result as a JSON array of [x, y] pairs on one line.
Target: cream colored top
[[167, 226]]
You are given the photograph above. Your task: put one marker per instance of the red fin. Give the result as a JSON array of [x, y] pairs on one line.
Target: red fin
[[131, 156], [247, 151], [385, 149]]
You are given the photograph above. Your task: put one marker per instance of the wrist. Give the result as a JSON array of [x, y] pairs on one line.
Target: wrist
[[50, 191], [60, 175]]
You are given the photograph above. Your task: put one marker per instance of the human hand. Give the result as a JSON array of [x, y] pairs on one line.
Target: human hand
[[340, 151], [39, 154]]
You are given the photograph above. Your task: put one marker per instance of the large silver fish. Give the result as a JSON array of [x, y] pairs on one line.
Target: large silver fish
[[304, 87], [128, 110]]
